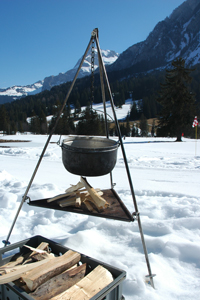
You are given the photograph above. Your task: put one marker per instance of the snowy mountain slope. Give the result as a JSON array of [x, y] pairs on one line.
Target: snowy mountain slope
[[19, 91], [15, 92], [109, 57], [176, 36]]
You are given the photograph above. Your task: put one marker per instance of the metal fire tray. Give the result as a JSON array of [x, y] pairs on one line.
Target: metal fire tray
[[116, 210], [10, 291]]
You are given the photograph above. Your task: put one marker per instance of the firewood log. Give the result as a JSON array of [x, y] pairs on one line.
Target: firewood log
[[60, 197], [36, 253], [23, 259], [54, 267], [59, 283], [89, 206], [75, 188], [100, 203], [19, 270], [72, 201], [87, 287]]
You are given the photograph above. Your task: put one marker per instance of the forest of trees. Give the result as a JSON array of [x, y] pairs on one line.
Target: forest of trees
[[29, 113]]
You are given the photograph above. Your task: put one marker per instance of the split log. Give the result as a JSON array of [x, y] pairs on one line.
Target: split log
[[43, 247], [68, 192], [58, 197], [21, 269], [59, 283], [20, 283], [23, 259], [54, 267], [72, 201], [39, 253], [4, 269], [89, 206], [100, 202], [75, 187], [87, 287], [98, 191], [39, 256]]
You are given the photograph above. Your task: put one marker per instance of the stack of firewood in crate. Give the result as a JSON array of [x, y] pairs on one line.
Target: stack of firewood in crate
[[45, 276]]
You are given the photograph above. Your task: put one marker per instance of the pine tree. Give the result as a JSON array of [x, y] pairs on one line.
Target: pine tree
[[134, 115], [43, 122], [90, 124], [133, 132], [146, 107], [3, 119], [143, 125], [178, 103], [35, 124]]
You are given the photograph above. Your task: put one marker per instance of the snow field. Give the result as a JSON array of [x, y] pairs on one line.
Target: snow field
[[166, 180]]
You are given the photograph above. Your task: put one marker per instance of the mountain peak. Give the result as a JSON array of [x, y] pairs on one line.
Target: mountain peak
[[15, 92], [176, 36], [109, 57]]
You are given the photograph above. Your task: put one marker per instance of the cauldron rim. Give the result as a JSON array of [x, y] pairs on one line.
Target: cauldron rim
[[107, 144]]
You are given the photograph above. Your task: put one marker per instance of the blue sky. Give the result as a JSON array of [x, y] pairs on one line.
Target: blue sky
[[40, 38]]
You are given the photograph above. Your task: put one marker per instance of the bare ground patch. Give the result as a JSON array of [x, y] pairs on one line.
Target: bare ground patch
[[13, 141]]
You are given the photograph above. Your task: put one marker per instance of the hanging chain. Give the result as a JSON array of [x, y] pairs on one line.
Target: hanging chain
[[92, 74]]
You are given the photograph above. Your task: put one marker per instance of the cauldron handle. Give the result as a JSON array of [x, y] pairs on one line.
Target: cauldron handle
[[58, 142]]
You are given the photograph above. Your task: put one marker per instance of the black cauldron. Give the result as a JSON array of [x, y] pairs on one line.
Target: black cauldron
[[89, 156]]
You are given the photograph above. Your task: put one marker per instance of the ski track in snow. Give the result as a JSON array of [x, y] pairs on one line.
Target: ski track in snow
[[169, 215]]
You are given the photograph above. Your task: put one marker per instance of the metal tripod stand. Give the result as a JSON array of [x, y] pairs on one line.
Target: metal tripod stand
[[103, 77]]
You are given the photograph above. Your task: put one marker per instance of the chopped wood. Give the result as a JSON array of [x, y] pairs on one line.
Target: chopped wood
[[89, 206], [59, 197], [99, 192], [36, 250], [75, 187], [52, 268], [75, 201], [23, 259], [100, 202], [11, 264], [34, 258], [42, 248], [87, 287], [40, 256], [21, 269], [59, 283], [75, 195], [21, 285]]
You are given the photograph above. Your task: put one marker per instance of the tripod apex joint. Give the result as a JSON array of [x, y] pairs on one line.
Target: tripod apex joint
[[94, 32]]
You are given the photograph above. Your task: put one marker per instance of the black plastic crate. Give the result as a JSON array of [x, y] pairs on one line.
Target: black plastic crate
[[10, 291]]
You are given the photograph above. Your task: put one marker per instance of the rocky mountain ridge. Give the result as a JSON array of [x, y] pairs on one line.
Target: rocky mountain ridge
[[109, 57], [176, 36], [15, 92]]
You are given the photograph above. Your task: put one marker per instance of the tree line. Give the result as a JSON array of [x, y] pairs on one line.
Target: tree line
[[29, 113]]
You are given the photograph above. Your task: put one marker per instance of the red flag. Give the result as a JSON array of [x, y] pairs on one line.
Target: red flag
[[195, 122]]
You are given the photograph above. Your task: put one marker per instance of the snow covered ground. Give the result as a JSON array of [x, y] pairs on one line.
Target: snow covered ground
[[166, 177]]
